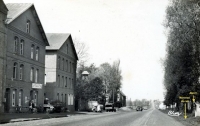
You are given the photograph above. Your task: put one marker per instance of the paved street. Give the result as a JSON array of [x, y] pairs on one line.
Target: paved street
[[151, 117]]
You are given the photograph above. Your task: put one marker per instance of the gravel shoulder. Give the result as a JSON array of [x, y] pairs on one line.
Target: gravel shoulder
[[190, 121]]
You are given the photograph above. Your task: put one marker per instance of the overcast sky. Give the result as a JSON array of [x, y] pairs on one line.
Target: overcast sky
[[129, 30]]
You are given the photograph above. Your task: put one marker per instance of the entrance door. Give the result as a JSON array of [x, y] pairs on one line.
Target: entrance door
[[7, 102], [34, 96]]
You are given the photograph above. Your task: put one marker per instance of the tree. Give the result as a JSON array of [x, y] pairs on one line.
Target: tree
[[82, 51], [94, 90], [182, 63]]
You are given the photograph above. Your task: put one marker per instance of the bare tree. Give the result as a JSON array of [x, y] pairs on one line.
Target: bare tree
[[82, 51]]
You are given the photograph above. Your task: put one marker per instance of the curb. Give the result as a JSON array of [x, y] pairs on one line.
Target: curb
[[4, 121]]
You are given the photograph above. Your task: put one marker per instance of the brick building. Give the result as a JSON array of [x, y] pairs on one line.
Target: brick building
[[3, 36], [25, 55], [60, 68]]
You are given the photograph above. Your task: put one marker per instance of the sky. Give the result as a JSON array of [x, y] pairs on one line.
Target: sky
[[131, 31]]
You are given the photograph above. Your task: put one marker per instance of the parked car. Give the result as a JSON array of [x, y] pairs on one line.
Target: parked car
[[48, 108], [109, 107], [94, 106], [145, 107], [98, 108], [139, 108]]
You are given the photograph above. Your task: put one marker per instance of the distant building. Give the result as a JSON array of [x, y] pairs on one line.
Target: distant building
[[121, 99], [3, 40], [25, 55], [60, 68]]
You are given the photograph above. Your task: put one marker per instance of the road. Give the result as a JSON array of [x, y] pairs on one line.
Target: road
[[152, 117]]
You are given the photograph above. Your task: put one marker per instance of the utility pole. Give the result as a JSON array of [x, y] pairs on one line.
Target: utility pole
[[113, 95]]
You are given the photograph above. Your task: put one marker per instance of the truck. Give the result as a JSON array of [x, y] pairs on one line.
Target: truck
[[109, 107], [94, 106]]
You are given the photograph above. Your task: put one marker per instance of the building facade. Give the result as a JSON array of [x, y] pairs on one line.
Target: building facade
[[25, 57], [3, 36], [60, 68], [121, 99]]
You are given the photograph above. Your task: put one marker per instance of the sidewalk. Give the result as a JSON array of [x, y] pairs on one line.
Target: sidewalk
[[17, 117]]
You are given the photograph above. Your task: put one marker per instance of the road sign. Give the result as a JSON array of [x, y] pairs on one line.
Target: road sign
[[184, 100], [192, 93], [184, 97]]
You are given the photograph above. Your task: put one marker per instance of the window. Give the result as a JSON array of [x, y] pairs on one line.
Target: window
[[32, 51], [31, 74], [70, 67], [63, 64], [16, 44], [72, 99], [22, 47], [61, 97], [69, 82], [57, 96], [68, 99], [15, 71], [20, 98], [72, 83], [37, 54], [36, 75], [58, 80], [28, 23], [59, 62], [21, 72], [67, 49], [65, 81], [66, 65], [13, 97]]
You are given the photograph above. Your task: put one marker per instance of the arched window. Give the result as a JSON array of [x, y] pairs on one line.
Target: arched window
[[61, 97], [67, 65], [72, 83], [31, 74], [21, 72], [63, 64], [58, 80], [63, 82], [16, 41], [22, 47], [36, 75], [15, 71], [67, 49], [32, 51], [68, 99], [69, 82], [57, 96], [37, 54], [28, 24], [59, 62]]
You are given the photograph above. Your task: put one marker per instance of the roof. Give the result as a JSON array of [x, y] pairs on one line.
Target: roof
[[16, 9], [122, 93], [3, 7], [56, 40], [85, 73]]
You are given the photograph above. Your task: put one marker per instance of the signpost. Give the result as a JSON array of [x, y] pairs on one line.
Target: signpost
[[184, 100]]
